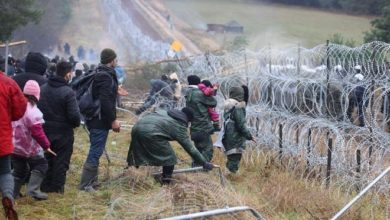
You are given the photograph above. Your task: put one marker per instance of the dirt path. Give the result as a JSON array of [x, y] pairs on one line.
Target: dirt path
[[160, 22]]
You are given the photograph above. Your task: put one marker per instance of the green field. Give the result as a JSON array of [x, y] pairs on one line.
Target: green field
[[273, 24]]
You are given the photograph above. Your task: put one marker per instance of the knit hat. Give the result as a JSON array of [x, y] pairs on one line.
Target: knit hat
[[32, 88], [36, 63], [193, 80], [237, 93], [107, 55]]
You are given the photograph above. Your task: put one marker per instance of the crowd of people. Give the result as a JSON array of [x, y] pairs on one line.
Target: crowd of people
[[40, 108]]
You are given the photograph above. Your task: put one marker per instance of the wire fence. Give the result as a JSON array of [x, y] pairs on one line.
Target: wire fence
[[324, 111]]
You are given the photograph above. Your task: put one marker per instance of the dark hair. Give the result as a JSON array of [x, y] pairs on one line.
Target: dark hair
[[78, 72], [164, 78], [63, 68], [31, 99], [207, 83], [193, 80], [246, 93]]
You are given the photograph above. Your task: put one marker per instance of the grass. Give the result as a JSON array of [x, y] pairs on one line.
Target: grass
[[273, 24], [262, 183]]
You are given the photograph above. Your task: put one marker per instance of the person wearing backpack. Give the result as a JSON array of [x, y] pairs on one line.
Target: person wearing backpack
[[61, 114], [236, 131], [105, 90]]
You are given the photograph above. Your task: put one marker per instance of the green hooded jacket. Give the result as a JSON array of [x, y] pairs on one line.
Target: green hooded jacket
[[236, 131], [198, 103], [150, 140]]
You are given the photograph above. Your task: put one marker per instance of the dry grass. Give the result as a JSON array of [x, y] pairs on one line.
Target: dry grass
[[262, 183]]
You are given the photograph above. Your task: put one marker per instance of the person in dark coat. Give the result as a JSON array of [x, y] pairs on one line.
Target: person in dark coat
[[161, 91], [81, 53], [104, 89], [201, 127], [67, 48], [150, 139], [357, 101], [61, 114], [35, 69], [236, 131]]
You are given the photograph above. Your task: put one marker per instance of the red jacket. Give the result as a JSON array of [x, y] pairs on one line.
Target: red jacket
[[12, 107]]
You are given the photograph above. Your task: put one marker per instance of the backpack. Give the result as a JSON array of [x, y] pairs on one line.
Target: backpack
[[89, 107]]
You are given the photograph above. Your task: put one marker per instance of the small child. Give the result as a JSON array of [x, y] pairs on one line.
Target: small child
[[28, 138], [210, 90]]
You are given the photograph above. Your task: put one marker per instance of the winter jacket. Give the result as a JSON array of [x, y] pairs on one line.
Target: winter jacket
[[28, 134], [198, 103], [22, 78], [236, 131], [151, 135], [105, 88], [35, 66], [12, 107], [59, 106], [161, 88]]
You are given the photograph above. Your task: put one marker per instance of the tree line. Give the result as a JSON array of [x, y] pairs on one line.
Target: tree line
[[366, 7]]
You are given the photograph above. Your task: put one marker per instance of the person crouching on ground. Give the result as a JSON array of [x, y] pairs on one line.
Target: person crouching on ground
[[150, 138], [30, 141], [236, 131]]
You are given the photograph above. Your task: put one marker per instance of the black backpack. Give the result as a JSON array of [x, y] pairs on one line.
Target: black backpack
[[89, 107]]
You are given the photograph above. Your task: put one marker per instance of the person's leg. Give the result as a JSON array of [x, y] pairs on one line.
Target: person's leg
[[39, 166], [20, 172], [7, 187], [55, 141], [62, 145], [233, 162], [205, 147], [61, 163], [167, 174], [361, 115], [98, 139]]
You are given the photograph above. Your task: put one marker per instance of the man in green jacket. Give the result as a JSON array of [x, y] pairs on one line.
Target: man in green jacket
[[201, 126], [236, 131], [150, 138]]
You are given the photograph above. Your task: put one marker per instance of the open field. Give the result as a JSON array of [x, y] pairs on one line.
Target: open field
[[265, 24]]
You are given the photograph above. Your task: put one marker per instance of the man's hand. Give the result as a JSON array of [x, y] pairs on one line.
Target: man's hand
[[254, 140], [208, 166], [122, 91], [116, 127]]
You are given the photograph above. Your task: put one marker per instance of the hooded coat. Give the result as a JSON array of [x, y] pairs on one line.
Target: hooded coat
[[199, 103], [236, 131], [151, 135], [35, 67]]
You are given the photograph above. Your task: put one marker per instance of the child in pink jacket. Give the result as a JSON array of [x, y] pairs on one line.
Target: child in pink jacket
[[30, 140], [210, 90]]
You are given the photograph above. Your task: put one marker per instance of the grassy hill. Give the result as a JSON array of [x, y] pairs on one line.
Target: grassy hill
[[273, 24]]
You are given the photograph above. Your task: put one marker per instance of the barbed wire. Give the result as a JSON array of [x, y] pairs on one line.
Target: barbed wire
[[311, 95]]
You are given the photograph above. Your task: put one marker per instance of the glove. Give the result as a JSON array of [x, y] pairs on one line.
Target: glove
[[208, 166]]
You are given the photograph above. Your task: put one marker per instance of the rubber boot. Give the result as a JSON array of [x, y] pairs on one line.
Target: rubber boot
[[18, 185], [88, 177], [34, 185], [8, 205]]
